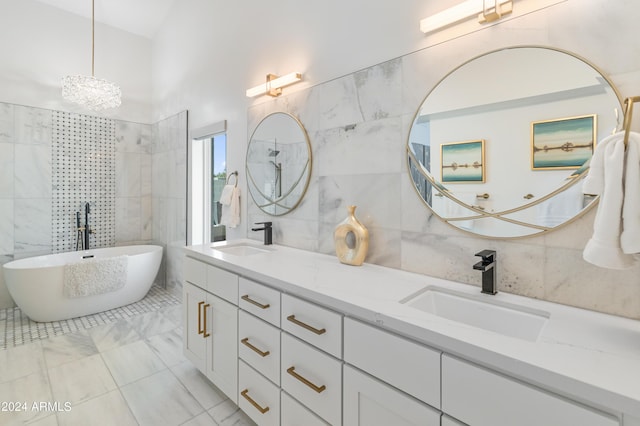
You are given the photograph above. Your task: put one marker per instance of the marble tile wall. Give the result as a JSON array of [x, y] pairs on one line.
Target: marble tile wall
[[358, 126], [27, 170], [168, 194]]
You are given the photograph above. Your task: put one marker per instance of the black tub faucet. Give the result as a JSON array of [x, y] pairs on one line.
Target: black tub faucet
[[268, 232], [488, 267]]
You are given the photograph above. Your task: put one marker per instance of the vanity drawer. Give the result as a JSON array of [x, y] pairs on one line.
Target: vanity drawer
[[480, 397], [260, 300], [223, 284], [259, 345], [313, 378], [295, 414], [406, 365], [311, 323], [258, 397], [195, 272]]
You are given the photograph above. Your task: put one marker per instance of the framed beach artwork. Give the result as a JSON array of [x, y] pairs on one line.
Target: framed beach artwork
[[564, 143], [462, 162]]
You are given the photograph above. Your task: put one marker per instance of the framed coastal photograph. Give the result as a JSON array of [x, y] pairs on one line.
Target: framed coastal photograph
[[462, 162], [563, 143]]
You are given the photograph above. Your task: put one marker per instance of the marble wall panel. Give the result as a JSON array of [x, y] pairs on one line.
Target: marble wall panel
[[6, 226], [128, 219], [33, 126], [7, 170], [33, 226], [6, 123], [128, 174], [33, 174]]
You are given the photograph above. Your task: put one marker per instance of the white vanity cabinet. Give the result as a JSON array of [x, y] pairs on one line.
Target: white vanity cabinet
[[478, 396], [311, 367], [210, 323], [405, 387]]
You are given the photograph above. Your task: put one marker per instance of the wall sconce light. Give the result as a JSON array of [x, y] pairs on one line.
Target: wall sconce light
[[274, 84], [485, 10]]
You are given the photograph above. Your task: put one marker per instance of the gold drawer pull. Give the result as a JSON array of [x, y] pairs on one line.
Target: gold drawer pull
[[200, 330], [245, 394], [293, 319], [253, 302], [204, 328], [292, 370], [245, 342]]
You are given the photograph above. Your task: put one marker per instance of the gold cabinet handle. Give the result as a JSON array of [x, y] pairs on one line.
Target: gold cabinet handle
[[245, 394], [204, 328], [292, 371], [245, 342], [528, 196], [200, 330], [293, 319], [253, 302]]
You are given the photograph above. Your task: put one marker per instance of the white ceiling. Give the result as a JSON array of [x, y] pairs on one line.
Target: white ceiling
[[142, 17]]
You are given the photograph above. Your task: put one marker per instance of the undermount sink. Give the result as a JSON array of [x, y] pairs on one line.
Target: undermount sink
[[478, 311], [242, 249]]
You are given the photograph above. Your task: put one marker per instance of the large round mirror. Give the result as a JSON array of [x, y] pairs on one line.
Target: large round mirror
[[278, 163], [500, 146]]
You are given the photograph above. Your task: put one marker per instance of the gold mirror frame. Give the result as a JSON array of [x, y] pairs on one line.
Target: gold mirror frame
[[476, 212], [270, 205]]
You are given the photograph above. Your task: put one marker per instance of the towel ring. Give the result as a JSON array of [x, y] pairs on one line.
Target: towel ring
[[628, 112], [233, 174]]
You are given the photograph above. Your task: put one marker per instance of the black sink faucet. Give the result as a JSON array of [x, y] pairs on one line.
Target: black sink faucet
[[488, 267], [268, 232]]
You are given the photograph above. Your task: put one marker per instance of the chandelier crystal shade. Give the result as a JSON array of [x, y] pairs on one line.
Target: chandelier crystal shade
[[93, 93]]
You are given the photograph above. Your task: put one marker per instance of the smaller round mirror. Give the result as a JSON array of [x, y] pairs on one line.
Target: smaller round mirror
[[278, 163]]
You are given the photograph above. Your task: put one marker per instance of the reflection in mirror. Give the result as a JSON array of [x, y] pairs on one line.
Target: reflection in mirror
[[278, 163], [498, 147]]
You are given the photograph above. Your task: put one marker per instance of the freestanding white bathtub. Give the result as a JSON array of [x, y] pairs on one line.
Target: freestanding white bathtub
[[36, 283]]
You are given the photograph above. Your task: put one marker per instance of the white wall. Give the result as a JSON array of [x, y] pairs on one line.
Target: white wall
[[40, 44]]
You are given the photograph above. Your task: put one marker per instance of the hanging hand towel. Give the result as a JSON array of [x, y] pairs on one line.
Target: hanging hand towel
[[231, 211], [603, 249], [594, 182], [630, 238], [227, 193]]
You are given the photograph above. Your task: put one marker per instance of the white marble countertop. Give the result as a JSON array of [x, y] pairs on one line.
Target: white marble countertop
[[585, 355]]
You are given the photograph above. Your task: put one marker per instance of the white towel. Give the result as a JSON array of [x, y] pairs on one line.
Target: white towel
[[594, 182], [604, 248], [560, 208], [630, 238], [231, 212], [95, 276], [227, 193]]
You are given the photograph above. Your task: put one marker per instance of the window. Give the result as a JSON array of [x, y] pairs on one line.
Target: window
[[207, 177]]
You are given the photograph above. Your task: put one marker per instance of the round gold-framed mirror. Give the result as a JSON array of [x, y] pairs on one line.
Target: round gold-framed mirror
[[278, 163], [500, 145]]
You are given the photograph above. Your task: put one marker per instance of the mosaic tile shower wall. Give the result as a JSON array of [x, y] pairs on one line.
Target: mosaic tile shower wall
[[83, 151]]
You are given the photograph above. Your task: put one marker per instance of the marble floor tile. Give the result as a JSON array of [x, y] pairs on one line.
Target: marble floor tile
[[108, 409], [168, 347], [50, 420], [228, 413], [22, 361], [81, 380], [203, 419], [200, 387], [67, 348], [150, 324], [132, 362], [173, 313], [30, 389], [113, 335], [161, 400]]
